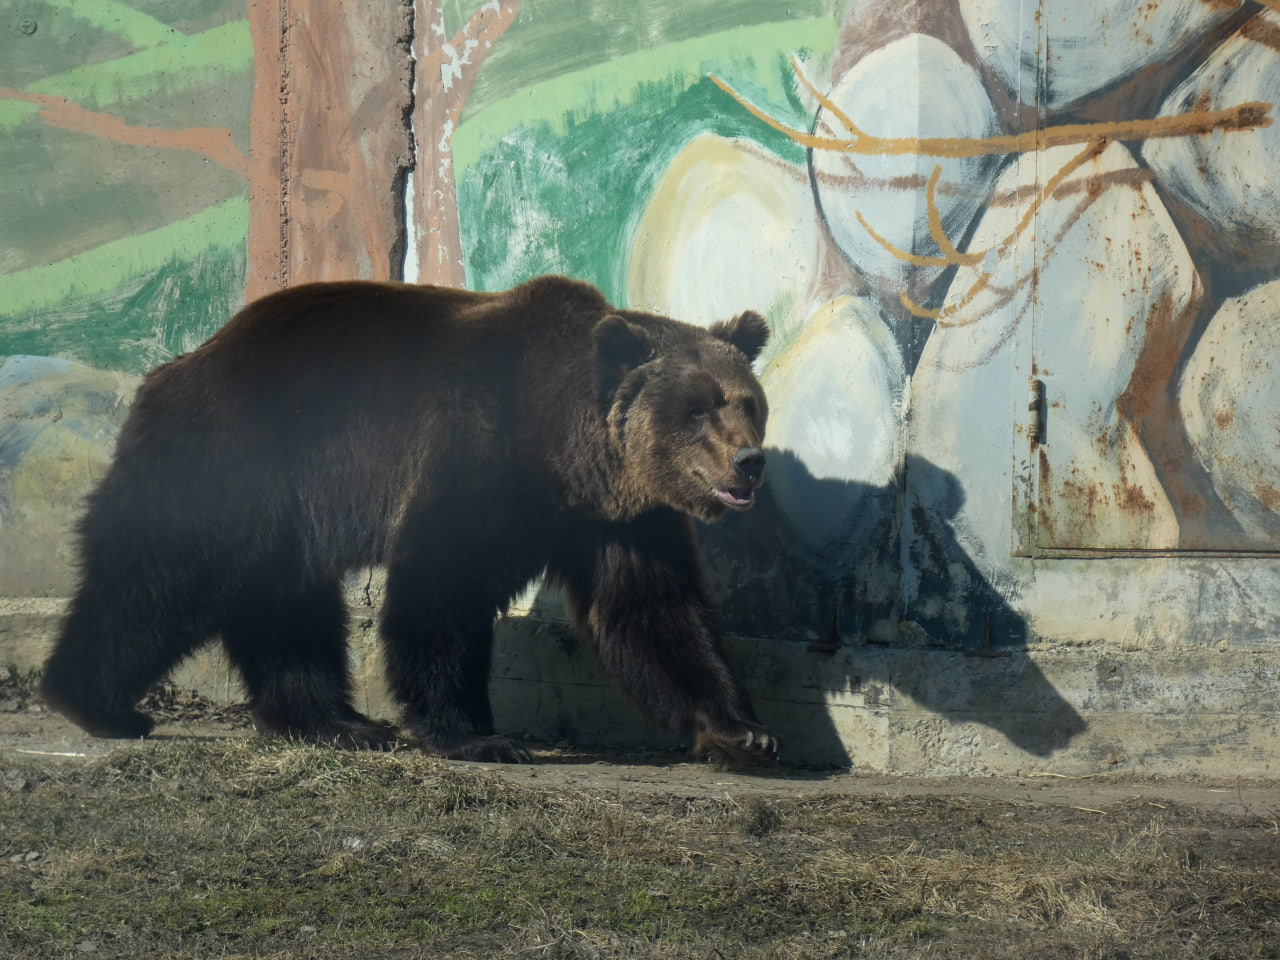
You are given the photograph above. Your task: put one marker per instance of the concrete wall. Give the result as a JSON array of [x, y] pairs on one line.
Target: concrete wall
[[1021, 261]]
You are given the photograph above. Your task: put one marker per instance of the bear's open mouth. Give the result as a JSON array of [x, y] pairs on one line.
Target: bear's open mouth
[[737, 497]]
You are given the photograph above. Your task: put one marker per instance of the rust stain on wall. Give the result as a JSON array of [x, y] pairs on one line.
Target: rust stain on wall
[[1131, 498], [1045, 517], [1150, 405], [1268, 496], [1263, 31], [1087, 496]]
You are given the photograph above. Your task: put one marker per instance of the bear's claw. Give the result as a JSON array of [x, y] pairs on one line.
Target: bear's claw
[[749, 745]]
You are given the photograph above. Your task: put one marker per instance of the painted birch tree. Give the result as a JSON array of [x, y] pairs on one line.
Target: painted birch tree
[[447, 70]]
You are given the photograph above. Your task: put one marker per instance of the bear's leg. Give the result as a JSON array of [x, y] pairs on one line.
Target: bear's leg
[[290, 646], [437, 629], [636, 592], [120, 636]]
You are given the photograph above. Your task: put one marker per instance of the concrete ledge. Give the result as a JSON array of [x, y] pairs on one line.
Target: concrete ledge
[[1073, 711]]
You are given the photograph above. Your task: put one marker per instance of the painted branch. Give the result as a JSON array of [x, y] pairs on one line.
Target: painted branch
[[212, 142], [1246, 116]]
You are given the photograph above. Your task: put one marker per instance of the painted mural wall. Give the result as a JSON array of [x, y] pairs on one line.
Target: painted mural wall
[[122, 241], [165, 160], [1021, 259], [1006, 249]]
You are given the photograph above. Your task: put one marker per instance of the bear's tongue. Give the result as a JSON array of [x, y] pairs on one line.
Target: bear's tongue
[[737, 498]]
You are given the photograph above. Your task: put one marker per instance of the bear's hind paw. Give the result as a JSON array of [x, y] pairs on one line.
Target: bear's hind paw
[[357, 733], [750, 746], [366, 734], [482, 749]]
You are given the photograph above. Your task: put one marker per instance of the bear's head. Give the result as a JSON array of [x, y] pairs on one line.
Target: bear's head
[[684, 410]]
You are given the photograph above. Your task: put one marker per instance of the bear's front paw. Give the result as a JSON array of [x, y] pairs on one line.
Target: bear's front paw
[[119, 725], [483, 749], [349, 731], [734, 747]]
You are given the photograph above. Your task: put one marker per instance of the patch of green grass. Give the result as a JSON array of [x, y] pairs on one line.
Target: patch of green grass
[[254, 848]]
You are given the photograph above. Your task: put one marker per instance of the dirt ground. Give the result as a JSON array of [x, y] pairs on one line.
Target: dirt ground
[[28, 729], [205, 840]]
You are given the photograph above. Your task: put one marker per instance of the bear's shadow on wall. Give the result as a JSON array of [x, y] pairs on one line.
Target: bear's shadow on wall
[[883, 606]]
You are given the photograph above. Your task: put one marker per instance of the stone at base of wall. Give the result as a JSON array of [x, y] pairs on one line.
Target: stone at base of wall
[[1072, 711]]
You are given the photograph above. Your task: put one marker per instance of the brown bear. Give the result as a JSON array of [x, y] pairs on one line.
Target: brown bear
[[466, 441]]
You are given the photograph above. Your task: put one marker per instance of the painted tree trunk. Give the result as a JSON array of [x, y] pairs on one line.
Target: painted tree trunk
[[268, 262], [447, 70], [330, 142], [350, 145]]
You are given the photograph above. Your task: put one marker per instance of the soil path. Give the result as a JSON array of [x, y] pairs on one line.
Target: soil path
[[28, 728]]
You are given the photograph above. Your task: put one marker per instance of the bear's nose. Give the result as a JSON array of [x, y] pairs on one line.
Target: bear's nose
[[749, 462]]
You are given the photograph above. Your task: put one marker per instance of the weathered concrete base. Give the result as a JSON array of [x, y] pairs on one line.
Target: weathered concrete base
[[1073, 711], [1069, 710]]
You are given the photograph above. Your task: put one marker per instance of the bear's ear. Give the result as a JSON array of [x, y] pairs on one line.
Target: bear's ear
[[620, 344], [747, 331]]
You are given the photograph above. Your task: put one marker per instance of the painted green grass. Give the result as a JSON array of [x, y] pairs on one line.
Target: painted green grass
[[154, 313], [627, 116], [746, 56], [554, 179], [183, 63], [544, 202], [242, 848], [220, 228], [123, 20], [555, 38]]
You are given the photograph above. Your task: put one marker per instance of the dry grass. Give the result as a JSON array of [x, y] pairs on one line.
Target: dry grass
[[251, 849]]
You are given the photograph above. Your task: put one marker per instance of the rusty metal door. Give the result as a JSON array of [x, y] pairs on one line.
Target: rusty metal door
[[1151, 425]]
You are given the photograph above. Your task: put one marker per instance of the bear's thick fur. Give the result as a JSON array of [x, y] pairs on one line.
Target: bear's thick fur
[[465, 440]]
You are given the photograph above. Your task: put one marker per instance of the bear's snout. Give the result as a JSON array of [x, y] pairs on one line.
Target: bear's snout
[[749, 463]]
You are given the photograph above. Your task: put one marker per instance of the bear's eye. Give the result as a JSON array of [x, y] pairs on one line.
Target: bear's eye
[[698, 413], [749, 408]]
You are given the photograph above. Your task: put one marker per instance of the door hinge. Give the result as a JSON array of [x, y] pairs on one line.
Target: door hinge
[[1036, 408]]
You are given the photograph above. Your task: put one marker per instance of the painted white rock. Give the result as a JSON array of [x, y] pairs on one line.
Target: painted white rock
[[1230, 179], [914, 87], [1057, 54], [836, 406], [729, 228], [1098, 269], [1231, 408]]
